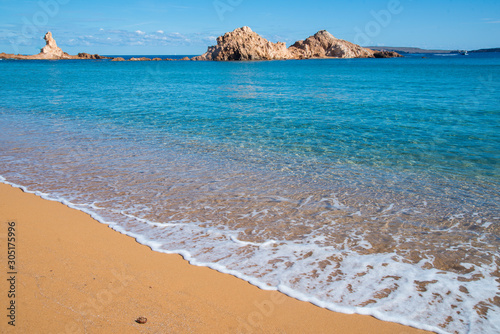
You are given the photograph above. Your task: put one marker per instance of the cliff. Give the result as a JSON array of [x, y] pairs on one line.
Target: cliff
[[51, 52], [244, 44]]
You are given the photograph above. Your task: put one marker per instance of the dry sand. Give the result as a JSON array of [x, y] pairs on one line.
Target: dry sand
[[76, 275]]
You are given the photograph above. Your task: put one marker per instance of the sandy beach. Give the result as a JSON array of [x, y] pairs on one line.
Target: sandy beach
[[76, 275]]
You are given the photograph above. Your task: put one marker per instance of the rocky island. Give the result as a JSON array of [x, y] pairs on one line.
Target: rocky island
[[241, 44], [244, 44], [51, 52]]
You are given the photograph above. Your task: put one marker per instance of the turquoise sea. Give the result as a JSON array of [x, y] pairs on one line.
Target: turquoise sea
[[361, 185]]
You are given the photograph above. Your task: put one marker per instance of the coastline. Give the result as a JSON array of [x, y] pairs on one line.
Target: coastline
[[76, 275], [240, 44]]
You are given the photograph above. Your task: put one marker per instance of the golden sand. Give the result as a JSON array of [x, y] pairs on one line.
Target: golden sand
[[76, 275]]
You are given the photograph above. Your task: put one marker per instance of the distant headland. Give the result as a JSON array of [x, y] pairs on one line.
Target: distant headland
[[413, 50], [242, 44]]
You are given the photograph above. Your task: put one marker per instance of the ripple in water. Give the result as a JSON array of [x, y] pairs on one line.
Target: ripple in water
[[330, 222]]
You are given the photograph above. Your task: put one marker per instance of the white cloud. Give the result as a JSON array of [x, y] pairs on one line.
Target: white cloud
[[138, 38], [494, 21]]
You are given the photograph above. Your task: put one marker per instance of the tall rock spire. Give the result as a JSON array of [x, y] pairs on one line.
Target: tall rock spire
[[51, 50]]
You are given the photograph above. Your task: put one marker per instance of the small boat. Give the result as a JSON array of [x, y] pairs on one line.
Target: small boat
[[464, 53]]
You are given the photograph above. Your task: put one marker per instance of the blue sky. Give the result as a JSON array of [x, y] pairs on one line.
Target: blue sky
[[188, 27]]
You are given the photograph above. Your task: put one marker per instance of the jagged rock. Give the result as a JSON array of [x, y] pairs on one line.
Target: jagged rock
[[84, 55], [386, 54], [244, 44], [140, 59], [157, 59], [51, 50], [325, 45], [118, 59]]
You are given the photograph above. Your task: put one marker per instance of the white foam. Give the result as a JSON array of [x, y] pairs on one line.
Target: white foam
[[404, 305], [487, 224], [389, 208]]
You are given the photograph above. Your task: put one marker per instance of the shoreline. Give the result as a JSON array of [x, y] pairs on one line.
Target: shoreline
[[76, 275]]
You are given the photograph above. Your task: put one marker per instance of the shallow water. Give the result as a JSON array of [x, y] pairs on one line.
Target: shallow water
[[366, 186]]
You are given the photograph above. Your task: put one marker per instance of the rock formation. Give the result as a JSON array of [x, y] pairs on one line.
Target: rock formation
[[324, 45], [386, 54], [244, 44], [52, 52], [83, 55], [241, 44], [139, 59]]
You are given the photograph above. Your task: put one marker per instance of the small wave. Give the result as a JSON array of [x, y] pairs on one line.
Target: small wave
[[357, 286]]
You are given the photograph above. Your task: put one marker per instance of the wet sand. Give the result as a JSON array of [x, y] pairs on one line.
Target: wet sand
[[76, 275]]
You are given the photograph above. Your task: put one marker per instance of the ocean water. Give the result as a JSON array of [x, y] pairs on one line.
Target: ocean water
[[364, 186]]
